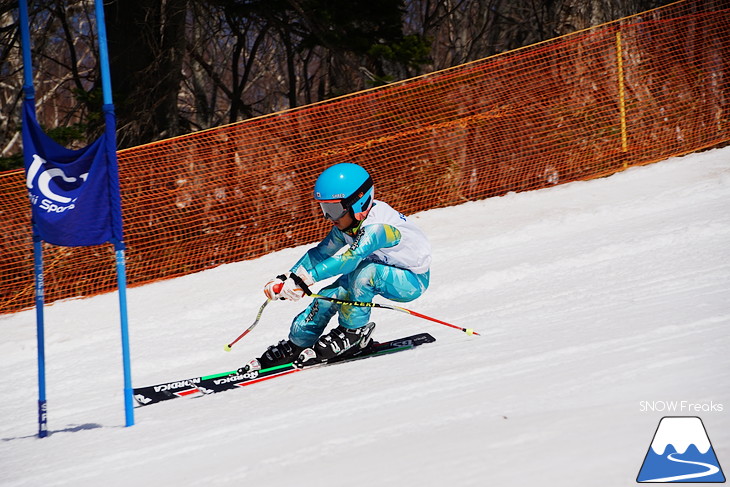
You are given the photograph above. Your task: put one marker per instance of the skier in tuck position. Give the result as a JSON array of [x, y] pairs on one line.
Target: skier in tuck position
[[387, 256]]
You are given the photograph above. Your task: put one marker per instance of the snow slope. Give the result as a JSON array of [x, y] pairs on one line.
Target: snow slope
[[599, 303]]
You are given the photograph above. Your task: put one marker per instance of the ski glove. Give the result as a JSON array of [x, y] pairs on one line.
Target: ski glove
[[273, 287], [297, 285]]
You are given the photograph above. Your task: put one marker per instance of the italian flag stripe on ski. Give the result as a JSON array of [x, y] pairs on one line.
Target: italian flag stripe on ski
[[209, 384]]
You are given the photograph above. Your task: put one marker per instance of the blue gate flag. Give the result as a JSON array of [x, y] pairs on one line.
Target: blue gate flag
[[74, 194]]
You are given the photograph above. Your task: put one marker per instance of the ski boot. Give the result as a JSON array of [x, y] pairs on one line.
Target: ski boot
[[282, 353], [340, 342]]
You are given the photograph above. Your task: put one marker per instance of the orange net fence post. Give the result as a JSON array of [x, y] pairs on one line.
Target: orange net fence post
[[631, 92]]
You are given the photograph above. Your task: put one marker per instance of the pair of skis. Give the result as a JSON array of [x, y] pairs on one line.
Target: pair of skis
[[210, 384]]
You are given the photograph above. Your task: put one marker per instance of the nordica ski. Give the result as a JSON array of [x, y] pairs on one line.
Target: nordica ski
[[210, 384]]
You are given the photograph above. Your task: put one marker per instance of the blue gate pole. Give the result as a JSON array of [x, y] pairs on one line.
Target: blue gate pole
[[39, 303], [122, 285], [37, 243], [106, 86], [25, 41]]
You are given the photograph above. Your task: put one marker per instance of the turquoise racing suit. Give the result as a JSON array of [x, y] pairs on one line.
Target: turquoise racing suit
[[388, 256]]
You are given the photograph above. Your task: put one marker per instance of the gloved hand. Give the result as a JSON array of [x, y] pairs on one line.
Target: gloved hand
[[293, 289], [273, 287]]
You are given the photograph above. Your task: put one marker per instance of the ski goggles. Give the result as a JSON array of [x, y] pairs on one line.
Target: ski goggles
[[333, 210]]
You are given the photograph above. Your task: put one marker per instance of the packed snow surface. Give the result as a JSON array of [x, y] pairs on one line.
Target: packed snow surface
[[602, 306]]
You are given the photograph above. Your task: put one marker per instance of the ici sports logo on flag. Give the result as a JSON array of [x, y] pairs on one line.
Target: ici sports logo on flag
[[49, 195], [680, 451]]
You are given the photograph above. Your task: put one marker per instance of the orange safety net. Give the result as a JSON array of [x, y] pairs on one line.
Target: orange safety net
[[631, 92]]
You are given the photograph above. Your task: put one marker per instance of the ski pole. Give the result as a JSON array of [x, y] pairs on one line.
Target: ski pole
[[468, 331], [227, 348], [308, 292]]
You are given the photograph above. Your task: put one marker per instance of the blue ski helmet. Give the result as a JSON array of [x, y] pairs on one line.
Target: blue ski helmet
[[344, 187]]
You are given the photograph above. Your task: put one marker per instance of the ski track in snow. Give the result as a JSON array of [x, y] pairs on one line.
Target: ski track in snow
[[590, 297]]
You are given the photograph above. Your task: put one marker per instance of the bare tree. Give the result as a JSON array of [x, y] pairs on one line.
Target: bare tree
[[186, 65]]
